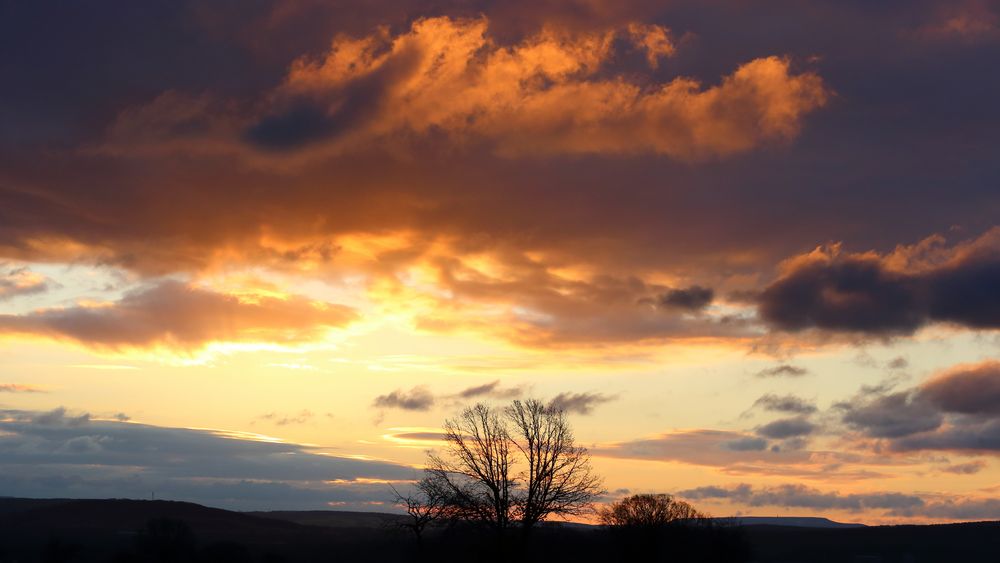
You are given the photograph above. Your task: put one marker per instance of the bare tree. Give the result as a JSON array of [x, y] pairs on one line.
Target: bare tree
[[557, 479], [649, 511], [426, 506], [484, 479], [476, 474]]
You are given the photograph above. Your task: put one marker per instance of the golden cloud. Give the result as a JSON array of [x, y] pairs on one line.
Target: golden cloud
[[182, 317], [552, 93]]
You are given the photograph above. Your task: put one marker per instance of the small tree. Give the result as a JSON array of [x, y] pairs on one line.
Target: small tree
[[424, 507], [649, 511]]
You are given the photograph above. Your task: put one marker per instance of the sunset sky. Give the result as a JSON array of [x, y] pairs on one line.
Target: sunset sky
[[253, 253]]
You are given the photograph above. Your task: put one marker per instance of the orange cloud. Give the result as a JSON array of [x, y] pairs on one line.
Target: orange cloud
[[549, 94], [181, 317], [16, 281]]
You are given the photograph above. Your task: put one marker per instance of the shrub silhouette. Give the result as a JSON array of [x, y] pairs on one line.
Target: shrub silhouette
[[658, 527], [649, 511]]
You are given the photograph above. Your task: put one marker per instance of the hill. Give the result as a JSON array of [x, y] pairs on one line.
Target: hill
[[790, 522], [132, 531]]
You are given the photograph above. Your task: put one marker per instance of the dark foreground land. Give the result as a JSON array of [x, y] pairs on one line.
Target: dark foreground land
[[54, 530]]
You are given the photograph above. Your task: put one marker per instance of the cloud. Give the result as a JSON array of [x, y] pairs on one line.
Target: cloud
[[56, 454], [131, 170], [543, 95], [694, 298], [892, 294], [279, 419], [784, 403], [885, 503], [786, 428], [716, 448], [491, 390], [416, 399], [891, 416], [18, 281], [963, 509], [952, 410], [746, 445], [580, 403], [960, 435], [524, 301], [411, 436], [972, 389], [801, 496], [966, 20], [969, 468], [174, 315], [898, 362], [18, 388], [784, 370], [58, 417]]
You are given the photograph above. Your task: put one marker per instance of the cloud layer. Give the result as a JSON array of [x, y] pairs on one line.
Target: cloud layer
[[174, 315], [57, 453]]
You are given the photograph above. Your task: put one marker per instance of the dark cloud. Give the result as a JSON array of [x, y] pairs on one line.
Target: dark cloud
[[580, 403], [416, 399], [54, 417], [891, 416], [969, 468], [786, 428], [746, 445], [888, 295], [962, 435], [801, 496], [49, 454], [898, 363], [972, 389], [785, 403], [493, 390], [56, 439], [851, 294], [694, 298], [176, 315], [961, 509], [954, 410], [784, 370], [886, 503]]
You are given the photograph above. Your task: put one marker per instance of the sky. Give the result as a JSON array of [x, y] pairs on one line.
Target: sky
[[253, 254]]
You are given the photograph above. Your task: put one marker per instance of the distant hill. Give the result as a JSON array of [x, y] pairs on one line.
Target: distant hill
[[126, 516], [333, 518], [790, 521]]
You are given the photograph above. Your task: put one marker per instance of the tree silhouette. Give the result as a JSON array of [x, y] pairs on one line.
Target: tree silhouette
[[476, 474], [649, 511], [558, 478], [428, 505], [518, 465]]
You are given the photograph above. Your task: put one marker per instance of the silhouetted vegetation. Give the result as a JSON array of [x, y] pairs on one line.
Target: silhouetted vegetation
[[657, 527], [501, 468], [125, 531], [649, 511]]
